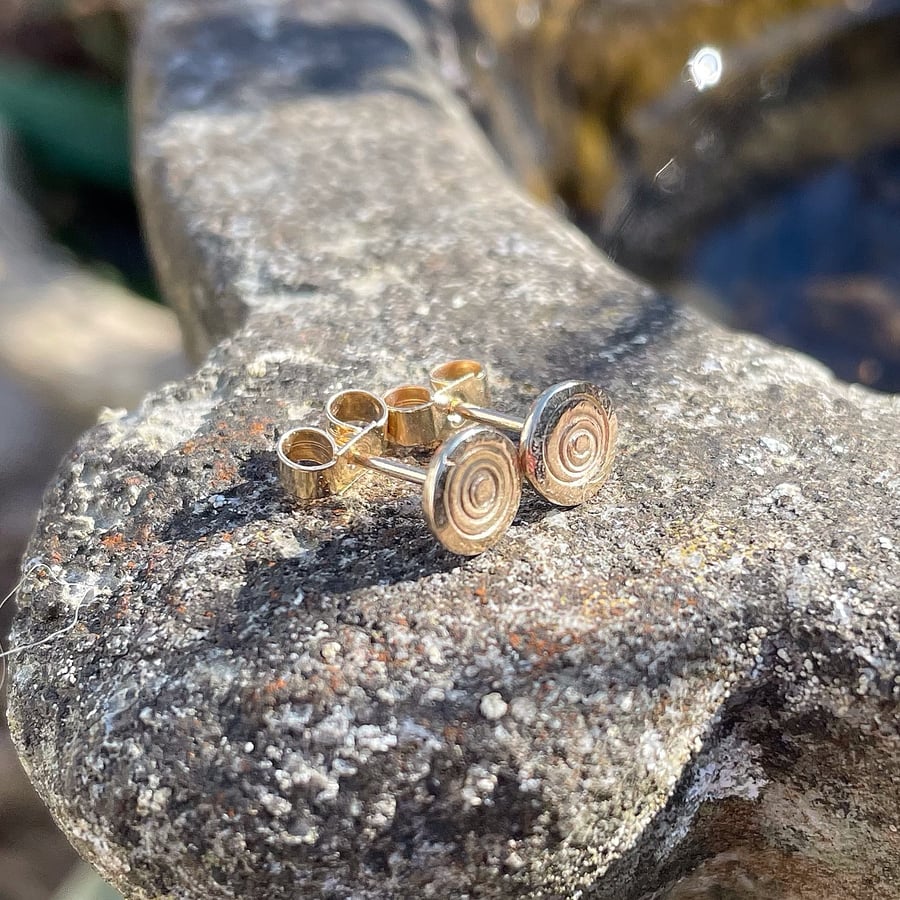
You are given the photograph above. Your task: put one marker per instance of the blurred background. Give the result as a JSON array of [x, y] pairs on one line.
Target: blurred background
[[743, 156]]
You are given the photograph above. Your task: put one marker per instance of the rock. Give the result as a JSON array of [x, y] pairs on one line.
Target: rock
[[78, 340], [493, 706], [265, 701], [70, 342]]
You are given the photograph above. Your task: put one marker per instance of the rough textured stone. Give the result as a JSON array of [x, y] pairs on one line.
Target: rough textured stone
[[263, 701], [70, 342]]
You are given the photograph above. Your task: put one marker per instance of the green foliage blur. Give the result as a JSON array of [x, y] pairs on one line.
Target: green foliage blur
[[63, 99], [72, 126]]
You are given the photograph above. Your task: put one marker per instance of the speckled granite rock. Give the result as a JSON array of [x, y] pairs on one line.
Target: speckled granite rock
[[261, 701]]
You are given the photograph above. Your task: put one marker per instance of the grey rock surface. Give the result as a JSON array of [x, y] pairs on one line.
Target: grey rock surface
[[76, 338], [70, 342], [265, 701]]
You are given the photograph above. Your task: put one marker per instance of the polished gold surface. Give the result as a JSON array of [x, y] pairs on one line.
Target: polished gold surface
[[308, 463], [394, 468], [313, 463], [463, 379], [566, 442], [351, 412], [412, 420], [472, 490], [460, 391], [462, 411]]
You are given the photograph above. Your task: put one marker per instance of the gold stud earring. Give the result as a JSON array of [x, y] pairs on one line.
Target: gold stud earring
[[470, 489], [415, 421], [566, 441], [412, 420]]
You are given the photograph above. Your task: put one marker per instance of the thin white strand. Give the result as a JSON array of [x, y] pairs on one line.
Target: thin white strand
[[32, 568], [22, 648]]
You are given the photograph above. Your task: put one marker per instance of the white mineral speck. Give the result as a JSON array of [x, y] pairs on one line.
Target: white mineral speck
[[522, 709], [277, 806], [493, 706], [330, 651], [515, 862], [773, 445], [152, 801]]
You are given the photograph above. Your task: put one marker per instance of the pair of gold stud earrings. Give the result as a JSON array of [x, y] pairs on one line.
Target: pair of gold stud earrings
[[472, 486]]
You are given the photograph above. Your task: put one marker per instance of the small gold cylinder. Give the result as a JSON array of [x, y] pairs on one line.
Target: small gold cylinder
[[411, 417], [461, 379], [351, 412], [307, 460]]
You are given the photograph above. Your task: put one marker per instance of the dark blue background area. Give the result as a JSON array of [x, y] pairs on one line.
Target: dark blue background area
[[816, 265]]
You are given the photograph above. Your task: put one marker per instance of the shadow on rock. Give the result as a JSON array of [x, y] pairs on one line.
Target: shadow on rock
[[285, 58]]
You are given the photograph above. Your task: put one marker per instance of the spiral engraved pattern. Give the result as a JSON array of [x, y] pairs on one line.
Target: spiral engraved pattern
[[575, 448], [473, 490], [568, 442]]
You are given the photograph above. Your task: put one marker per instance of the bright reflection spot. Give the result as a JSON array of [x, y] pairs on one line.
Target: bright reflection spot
[[670, 177], [705, 68]]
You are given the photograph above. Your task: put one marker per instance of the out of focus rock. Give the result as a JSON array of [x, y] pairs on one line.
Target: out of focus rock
[[82, 341], [87, 343], [85, 884], [742, 154], [34, 855]]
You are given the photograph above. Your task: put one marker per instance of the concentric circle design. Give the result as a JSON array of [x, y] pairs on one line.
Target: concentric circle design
[[472, 490], [568, 442]]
